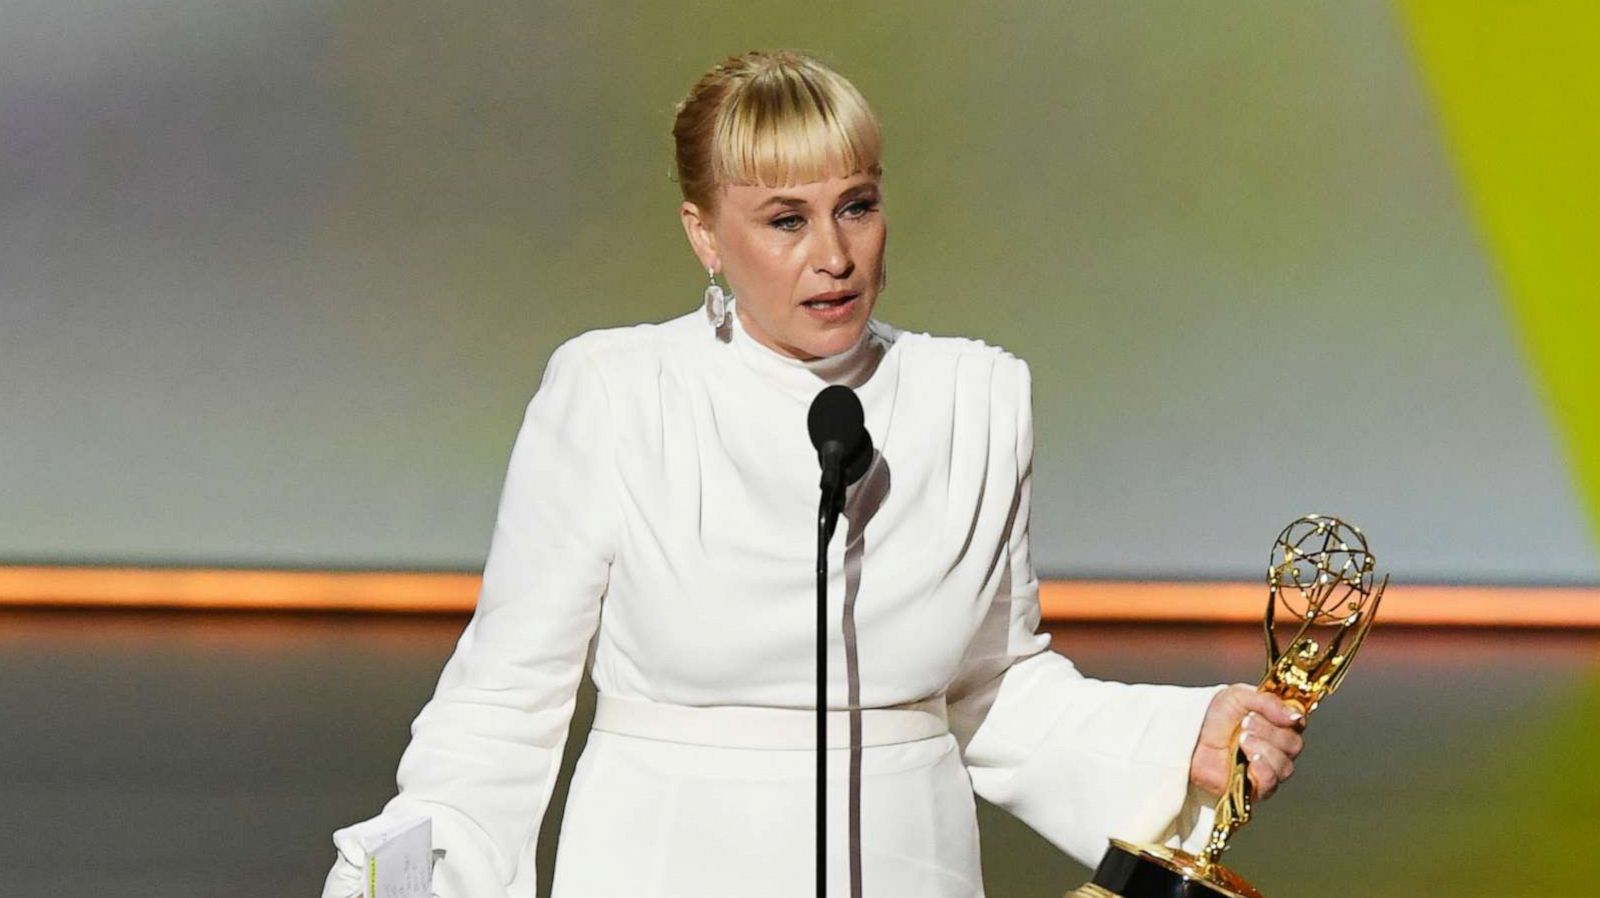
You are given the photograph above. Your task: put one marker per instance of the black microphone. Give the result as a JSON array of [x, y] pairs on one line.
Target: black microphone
[[844, 449], [839, 433]]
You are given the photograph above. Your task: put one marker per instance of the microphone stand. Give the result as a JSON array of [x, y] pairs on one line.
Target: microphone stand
[[828, 509], [844, 450]]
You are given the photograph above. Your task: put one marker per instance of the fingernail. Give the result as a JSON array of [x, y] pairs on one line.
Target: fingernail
[[1256, 756], [1246, 721], [1243, 737], [1295, 715]]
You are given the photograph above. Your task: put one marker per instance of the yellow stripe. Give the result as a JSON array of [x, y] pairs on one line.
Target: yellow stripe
[[1518, 91]]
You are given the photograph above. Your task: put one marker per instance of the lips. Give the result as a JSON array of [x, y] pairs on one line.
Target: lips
[[830, 300], [833, 308]]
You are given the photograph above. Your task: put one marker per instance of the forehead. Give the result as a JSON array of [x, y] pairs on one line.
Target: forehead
[[816, 193]]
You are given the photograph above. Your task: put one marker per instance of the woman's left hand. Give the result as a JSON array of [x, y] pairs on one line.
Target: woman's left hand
[[1270, 738]]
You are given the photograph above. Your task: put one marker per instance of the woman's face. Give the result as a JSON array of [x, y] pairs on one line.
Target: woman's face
[[805, 262]]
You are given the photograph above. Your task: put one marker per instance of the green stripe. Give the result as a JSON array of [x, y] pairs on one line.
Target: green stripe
[[1518, 92]]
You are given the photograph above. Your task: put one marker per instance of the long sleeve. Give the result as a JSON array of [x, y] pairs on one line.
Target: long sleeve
[[1077, 759], [486, 749]]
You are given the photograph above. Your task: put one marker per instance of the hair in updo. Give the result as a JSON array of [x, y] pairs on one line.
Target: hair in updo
[[773, 118]]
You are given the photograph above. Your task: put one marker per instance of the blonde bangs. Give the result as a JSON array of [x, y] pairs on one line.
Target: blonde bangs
[[792, 124]]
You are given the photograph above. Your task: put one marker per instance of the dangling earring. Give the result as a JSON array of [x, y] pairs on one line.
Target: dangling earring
[[717, 301]]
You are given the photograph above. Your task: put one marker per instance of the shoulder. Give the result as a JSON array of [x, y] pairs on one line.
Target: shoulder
[[1007, 374], [988, 388], [615, 344], [610, 354], [937, 346]]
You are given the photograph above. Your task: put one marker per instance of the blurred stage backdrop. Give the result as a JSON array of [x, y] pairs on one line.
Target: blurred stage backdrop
[[277, 279]]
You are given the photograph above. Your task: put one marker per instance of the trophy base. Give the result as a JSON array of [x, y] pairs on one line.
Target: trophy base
[[1155, 871]]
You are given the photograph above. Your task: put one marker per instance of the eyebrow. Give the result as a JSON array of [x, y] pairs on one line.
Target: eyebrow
[[794, 201]]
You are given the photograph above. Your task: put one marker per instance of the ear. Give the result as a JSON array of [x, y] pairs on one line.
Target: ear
[[697, 227]]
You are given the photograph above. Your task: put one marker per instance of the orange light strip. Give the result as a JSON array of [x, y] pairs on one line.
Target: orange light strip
[[1061, 600], [251, 590], [1449, 606]]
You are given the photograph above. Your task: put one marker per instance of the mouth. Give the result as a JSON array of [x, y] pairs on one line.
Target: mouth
[[829, 301]]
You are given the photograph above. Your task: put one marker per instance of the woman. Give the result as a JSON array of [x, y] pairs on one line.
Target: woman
[[660, 501]]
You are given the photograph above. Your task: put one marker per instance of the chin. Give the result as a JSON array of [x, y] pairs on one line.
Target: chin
[[802, 336], [836, 339]]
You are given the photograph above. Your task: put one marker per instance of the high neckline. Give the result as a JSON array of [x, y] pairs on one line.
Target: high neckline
[[804, 377]]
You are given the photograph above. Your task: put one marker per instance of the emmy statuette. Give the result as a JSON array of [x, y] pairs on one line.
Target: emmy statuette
[[1321, 578]]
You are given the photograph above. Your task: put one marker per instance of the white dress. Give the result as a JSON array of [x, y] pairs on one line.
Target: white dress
[[660, 500]]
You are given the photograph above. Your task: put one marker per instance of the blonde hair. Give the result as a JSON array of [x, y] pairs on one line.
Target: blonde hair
[[773, 118]]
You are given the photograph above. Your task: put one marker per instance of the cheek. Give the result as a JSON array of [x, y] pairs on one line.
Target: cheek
[[880, 236], [774, 268], [870, 241], [780, 259]]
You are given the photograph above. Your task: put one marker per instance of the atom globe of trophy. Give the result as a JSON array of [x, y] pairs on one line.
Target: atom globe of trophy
[[1321, 593]]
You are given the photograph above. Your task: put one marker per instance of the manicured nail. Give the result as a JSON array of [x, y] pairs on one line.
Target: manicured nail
[[1256, 756]]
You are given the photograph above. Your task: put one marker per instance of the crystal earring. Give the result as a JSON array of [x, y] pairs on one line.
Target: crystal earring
[[717, 301]]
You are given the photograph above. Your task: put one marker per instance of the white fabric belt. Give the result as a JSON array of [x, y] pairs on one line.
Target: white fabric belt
[[737, 726]]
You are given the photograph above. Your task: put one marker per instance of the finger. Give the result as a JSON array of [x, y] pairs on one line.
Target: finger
[[1263, 782], [1222, 717], [1280, 712], [1237, 702], [1269, 768], [1285, 739]]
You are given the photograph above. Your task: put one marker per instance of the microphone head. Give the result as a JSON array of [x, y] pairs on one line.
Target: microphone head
[[836, 417], [838, 430]]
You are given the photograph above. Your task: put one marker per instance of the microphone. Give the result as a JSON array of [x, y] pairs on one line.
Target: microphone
[[839, 433], [844, 450]]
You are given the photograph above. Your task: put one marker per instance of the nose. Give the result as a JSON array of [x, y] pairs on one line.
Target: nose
[[831, 255]]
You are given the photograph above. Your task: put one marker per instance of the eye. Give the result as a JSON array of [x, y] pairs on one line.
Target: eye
[[789, 222], [859, 208]]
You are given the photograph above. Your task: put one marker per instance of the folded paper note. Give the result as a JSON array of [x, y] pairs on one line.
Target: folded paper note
[[400, 862]]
